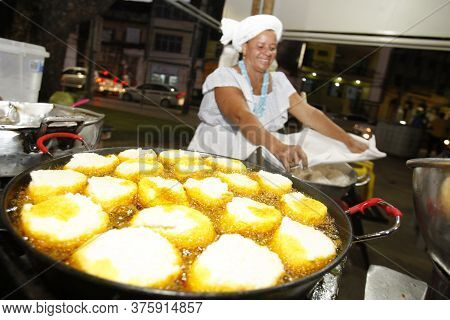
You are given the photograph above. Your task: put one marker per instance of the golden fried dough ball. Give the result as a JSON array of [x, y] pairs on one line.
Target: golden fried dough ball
[[92, 164], [208, 192], [134, 170], [234, 263], [47, 183], [110, 192], [153, 191], [185, 227], [249, 218], [302, 249], [240, 184], [303, 209], [273, 183], [64, 221], [170, 157], [136, 256], [226, 164], [137, 154], [185, 169]]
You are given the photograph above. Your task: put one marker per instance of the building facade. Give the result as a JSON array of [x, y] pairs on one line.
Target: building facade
[[169, 46]]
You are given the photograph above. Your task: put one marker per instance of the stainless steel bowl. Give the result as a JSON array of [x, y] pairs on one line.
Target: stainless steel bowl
[[431, 184], [333, 190]]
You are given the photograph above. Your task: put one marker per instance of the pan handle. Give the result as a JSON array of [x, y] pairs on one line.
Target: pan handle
[[387, 207], [40, 141], [80, 102]]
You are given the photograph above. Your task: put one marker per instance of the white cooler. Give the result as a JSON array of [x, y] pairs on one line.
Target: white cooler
[[21, 67]]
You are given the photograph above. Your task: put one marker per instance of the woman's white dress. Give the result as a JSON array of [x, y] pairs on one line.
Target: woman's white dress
[[216, 134]]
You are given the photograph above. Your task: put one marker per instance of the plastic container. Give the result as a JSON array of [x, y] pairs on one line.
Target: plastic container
[[21, 67]]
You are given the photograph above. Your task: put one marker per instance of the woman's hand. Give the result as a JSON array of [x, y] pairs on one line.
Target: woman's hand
[[356, 146], [290, 155]]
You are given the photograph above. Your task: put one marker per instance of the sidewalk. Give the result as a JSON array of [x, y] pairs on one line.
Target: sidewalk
[[169, 114]]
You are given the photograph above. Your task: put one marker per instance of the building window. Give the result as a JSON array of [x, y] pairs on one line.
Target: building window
[[168, 43], [133, 35], [108, 35], [168, 11], [173, 80], [158, 78], [164, 79]]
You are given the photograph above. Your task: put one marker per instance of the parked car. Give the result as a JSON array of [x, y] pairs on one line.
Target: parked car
[[73, 77], [159, 94], [108, 83]]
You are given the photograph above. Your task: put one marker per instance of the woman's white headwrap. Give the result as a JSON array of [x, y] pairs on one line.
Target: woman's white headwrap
[[240, 32]]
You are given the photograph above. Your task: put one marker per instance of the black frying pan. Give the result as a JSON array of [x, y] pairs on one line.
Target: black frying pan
[[75, 283]]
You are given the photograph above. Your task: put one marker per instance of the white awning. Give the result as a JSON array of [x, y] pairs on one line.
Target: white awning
[[414, 24]]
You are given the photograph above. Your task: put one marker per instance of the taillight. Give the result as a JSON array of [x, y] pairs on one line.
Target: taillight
[[99, 80], [180, 95], [116, 80], [105, 73]]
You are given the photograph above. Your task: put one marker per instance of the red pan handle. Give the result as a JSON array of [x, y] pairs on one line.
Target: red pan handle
[[80, 102], [40, 141], [387, 207]]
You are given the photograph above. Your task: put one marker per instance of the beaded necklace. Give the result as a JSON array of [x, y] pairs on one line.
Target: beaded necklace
[[260, 106]]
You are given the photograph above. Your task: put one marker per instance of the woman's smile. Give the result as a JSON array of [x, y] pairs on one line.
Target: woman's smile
[[260, 51]]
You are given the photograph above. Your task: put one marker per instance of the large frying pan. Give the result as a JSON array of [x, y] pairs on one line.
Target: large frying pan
[[82, 285]]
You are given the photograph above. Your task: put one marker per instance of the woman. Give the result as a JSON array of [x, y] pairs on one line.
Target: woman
[[243, 104]]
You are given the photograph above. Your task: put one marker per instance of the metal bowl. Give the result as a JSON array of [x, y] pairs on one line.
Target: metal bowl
[[335, 191], [431, 184]]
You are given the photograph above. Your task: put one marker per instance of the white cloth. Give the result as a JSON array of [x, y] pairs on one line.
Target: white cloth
[[229, 56], [321, 149], [240, 32]]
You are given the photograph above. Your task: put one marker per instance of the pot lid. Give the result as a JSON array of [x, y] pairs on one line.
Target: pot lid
[[20, 116], [428, 163]]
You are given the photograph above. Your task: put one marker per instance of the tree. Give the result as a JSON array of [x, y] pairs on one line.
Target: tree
[[48, 23]]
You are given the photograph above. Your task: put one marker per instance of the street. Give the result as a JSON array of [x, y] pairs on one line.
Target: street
[[170, 114]]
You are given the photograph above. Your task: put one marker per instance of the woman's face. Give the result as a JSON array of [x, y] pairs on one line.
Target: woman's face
[[261, 50]]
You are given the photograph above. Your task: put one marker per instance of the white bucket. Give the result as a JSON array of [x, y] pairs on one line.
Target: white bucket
[[21, 67]]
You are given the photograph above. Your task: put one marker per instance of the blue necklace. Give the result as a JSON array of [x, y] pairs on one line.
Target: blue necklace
[[260, 106]]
